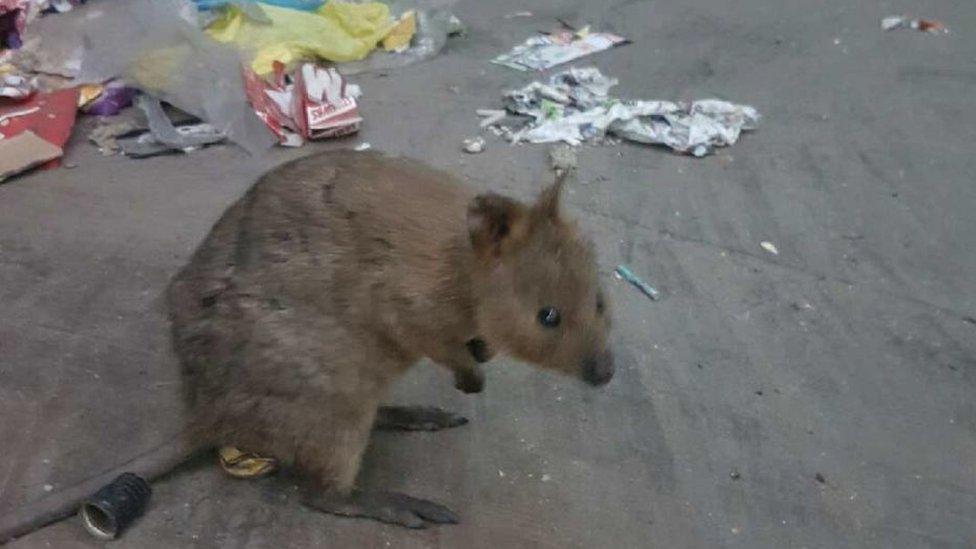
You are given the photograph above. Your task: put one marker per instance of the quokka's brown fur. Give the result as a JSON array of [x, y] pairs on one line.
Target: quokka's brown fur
[[337, 272]]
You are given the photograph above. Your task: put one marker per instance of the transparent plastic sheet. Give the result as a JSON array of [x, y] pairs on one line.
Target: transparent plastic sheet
[[166, 55], [305, 5], [435, 23]]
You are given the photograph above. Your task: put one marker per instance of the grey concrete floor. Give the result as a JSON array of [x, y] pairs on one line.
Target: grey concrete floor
[[851, 354]]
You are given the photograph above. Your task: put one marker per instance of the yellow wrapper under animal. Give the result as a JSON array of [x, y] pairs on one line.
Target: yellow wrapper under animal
[[243, 465], [337, 31]]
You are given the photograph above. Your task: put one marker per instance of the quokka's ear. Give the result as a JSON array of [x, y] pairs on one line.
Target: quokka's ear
[[547, 205], [495, 223]]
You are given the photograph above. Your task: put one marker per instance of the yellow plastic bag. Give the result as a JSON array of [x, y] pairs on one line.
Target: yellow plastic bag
[[337, 31], [245, 465], [398, 39]]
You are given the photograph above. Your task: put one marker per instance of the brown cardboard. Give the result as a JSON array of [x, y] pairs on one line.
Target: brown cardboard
[[24, 151]]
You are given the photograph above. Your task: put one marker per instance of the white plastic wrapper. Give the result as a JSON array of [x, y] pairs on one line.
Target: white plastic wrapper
[[546, 51], [575, 106]]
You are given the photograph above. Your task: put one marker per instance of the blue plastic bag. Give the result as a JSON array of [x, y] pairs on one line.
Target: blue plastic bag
[[306, 5]]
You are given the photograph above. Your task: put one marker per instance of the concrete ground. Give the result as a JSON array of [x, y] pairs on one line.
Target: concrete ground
[[834, 380]]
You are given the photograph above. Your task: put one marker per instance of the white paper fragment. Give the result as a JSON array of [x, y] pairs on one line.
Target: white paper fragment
[[545, 51], [769, 247], [490, 116], [473, 145], [931, 26]]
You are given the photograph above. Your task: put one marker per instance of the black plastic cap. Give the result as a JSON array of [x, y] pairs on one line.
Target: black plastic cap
[[115, 506]]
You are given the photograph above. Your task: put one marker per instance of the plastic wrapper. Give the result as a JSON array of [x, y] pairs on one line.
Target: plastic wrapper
[[167, 56], [575, 106], [337, 31], [112, 98], [546, 51], [931, 26], [433, 27], [17, 86], [313, 103], [162, 137], [307, 5]]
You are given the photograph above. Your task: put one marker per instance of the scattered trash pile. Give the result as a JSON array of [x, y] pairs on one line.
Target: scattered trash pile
[[200, 72], [575, 106]]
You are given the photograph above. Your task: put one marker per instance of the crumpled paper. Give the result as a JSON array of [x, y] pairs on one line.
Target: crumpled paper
[[576, 106], [546, 51]]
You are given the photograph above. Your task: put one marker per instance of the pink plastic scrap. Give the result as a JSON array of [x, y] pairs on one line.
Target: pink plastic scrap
[[312, 103]]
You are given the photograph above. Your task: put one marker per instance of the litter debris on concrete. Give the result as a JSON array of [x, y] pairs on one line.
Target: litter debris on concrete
[[769, 247], [50, 116], [17, 86], [165, 55], [337, 31], [575, 106], [545, 51], [490, 116], [307, 5], [734, 474], [625, 274], [433, 28], [147, 144], [110, 99], [362, 147], [518, 14], [311, 103], [163, 137], [398, 39], [23, 152], [820, 478], [14, 17], [105, 136], [115, 506], [893, 22], [245, 465], [473, 145]]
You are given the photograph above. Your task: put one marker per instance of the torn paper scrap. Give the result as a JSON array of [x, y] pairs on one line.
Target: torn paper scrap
[[23, 152], [932, 26], [17, 86], [545, 51]]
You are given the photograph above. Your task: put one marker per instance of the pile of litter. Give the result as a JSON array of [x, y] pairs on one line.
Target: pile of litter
[[244, 71], [575, 106]]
